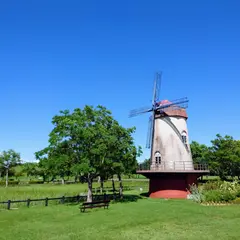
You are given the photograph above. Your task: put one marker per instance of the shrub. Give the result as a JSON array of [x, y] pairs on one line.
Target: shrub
[[238, 193], [219, 196], [3, 183], [236, 201], [232, 187], [196, 194], [211, 185], [36, 182]]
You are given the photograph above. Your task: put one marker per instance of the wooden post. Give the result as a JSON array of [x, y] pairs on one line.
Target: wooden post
[[104, 196], [7, 177], [46, 202], [62, 200], [78, 198], [8, 204], [28, 202]]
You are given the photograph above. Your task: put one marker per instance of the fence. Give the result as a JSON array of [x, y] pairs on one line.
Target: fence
[[63, 199]]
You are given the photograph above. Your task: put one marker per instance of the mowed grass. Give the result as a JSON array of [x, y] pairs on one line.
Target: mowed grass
[[53, 190], [143, 219]]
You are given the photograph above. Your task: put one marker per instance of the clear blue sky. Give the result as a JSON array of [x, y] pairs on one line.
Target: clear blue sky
[[57, 55]]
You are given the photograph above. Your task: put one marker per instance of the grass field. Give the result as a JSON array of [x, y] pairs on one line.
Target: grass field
[[143, 219], [53, 190], [136, 218]]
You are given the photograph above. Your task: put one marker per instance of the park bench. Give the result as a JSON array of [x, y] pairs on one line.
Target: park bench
[[95, 204]]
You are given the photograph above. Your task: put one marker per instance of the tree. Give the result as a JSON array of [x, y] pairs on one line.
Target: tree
[[88, 138], [30, 169], [125, 154], [145, 165], [224, 158], [9, 159], [200, 152]]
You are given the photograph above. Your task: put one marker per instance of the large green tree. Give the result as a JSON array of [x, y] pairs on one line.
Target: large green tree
[[8, 159], [30, 168], [224, 158], [91, 142], [200, 152]]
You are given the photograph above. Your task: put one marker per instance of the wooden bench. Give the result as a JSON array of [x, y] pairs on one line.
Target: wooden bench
[[95, 204]]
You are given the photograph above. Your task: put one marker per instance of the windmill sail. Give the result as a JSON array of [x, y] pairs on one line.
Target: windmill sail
[[139, 111], [150, 132], [156, 88]]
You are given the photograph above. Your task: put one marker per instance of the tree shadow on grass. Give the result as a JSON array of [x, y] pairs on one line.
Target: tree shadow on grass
[[145, 194], [126, 198]]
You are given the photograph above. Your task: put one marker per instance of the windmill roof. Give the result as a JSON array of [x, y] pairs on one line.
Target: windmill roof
[[164, 102], [172, 111]]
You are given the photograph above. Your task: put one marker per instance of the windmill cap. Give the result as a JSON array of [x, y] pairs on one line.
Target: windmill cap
[[171, 111], [164, 102]]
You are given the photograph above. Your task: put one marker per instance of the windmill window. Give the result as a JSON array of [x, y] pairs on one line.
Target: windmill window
[[184, 137], [157, 157]]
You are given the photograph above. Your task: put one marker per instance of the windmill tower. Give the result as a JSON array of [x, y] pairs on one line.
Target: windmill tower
[[171, 166]]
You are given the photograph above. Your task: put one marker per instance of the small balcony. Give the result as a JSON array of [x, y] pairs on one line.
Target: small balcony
[[176, 166]]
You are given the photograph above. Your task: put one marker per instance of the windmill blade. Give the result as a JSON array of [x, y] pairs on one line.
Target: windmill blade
[[139, 111], [158, 85], [150, 132], [175, 104], [156, 88]]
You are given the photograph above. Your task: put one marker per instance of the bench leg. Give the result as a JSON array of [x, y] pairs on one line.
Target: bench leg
[[82, 209]]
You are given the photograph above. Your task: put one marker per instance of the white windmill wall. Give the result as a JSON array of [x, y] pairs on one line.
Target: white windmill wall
[[174, 154]]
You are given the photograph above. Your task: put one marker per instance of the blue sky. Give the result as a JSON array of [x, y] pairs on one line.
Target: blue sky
[[57, 55]]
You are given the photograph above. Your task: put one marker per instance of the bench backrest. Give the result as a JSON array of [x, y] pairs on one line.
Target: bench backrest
[[96, 202]]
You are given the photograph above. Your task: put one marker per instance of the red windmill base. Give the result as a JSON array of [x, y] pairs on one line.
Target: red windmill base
[[171, 184]]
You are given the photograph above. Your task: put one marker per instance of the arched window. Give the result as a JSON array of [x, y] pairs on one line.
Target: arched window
[[184, 137], [157, 157]]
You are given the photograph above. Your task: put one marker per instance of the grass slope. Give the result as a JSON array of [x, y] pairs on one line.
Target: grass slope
[[144, 219]]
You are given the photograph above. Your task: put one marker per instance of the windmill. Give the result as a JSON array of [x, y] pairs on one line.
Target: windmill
[[171, 169], [161, 109]]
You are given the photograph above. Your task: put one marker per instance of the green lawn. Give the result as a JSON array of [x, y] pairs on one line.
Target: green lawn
[[144, 219], [51, 190]]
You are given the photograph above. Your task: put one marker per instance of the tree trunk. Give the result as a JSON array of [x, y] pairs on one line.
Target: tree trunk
[[62, 180], [89, 195], [101, 185], [120, 186], [7, 177], [113, 185]]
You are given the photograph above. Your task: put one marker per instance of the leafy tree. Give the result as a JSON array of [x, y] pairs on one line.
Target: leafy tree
[[125, 154], [200, 152], [8, 159], [43, 170], [225, 157], [145, 165], [88, 138], [30, 169]]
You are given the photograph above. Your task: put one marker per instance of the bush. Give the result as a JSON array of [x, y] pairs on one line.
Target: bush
[[211, 185], [36, 182], [3, 183], [236, 201], [232, 187], [196, 194], [219, 196]]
